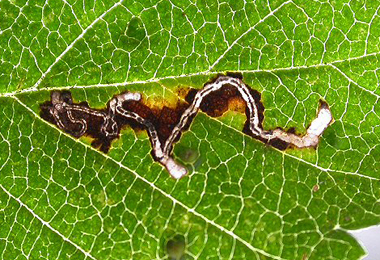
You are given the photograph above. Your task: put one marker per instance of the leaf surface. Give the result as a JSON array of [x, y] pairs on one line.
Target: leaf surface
[[60, 198]]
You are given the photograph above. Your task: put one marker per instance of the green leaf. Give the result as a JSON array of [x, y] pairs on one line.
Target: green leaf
[[60, 198]]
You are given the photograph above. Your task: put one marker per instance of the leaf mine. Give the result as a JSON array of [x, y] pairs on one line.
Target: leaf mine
[[165, 125]]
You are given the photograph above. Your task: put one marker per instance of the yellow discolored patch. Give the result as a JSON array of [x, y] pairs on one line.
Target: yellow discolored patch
[[87, 139], [236, 104]]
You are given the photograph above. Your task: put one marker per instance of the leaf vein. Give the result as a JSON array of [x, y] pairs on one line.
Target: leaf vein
[[46, 224]]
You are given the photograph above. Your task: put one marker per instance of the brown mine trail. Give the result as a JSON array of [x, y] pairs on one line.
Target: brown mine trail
[[163, 115]]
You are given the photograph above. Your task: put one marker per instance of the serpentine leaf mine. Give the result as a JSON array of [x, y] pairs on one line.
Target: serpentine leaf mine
[[166, 125]]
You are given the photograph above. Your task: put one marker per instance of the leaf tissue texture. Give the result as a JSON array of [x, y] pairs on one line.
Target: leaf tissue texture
[[62, 199]]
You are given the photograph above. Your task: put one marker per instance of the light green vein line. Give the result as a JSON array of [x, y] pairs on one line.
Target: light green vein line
[[47, 224], [245, 33], [203, 73], [354, 82], [73, 42]]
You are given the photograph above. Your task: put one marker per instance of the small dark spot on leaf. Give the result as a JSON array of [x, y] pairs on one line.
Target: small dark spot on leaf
[[291, 130], [176, 248], [187, 155]]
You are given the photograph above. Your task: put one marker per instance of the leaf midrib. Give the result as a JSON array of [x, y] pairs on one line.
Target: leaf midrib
[[332, 65]]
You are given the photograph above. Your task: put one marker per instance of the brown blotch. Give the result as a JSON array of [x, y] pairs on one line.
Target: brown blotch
[[236, 104], [236, 75], [216, 103], [191, 95], [291, 130], [164, 120]]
